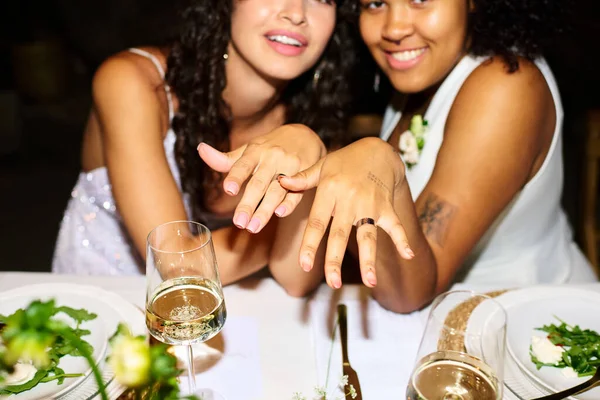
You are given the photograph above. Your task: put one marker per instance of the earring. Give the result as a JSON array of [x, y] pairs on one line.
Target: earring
[[376, 82], [225, 56], [316, 77]]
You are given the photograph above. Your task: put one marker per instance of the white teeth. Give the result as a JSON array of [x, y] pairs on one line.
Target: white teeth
[[407, 55], [285, 40]]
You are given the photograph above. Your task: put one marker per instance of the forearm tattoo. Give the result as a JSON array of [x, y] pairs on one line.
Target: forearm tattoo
[[371, 176], [435, 218]]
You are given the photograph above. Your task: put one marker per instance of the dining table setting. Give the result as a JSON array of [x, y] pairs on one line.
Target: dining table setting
[[252, 341]]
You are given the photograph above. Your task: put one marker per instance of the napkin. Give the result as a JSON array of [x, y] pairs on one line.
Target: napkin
[[382, 346], [228, 364]]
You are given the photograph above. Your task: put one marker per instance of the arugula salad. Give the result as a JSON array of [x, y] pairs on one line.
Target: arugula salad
[[43, 334], [575, 350]]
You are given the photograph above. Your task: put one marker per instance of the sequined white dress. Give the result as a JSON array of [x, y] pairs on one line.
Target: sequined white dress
[[92, 239]]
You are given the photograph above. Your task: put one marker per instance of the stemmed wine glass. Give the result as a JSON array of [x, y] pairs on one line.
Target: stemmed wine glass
[[461, 355], [184, 296]]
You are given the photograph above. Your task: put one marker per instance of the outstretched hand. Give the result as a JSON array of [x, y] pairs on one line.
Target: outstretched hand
[[259, 165], [355, 187]]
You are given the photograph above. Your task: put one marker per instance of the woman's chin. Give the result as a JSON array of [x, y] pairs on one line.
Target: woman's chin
[[410, 84], [282, 75]]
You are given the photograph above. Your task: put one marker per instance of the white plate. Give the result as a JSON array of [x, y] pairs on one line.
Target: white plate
[[9, 303], [111, 310], [530, 308]]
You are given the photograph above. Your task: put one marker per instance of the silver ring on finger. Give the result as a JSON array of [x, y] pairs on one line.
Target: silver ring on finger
[[362, 221]]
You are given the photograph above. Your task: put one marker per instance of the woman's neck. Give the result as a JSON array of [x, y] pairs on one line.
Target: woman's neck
[[252, 98], [417, 103]]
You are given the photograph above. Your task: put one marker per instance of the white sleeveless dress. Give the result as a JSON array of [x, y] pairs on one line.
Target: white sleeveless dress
[[530, 241], [92, 239]]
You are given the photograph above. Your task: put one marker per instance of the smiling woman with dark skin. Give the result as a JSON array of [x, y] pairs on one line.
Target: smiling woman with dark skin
[[480, 202]]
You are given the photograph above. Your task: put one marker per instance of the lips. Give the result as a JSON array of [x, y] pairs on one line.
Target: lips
[[407, 55], [286, 43], [405, 58], [293, 36]]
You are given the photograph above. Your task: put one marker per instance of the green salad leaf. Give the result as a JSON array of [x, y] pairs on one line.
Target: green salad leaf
[[36, 335], [582, 348]]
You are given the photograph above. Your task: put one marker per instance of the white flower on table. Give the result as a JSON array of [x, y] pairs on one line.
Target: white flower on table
[[344, 380], [321, 392]]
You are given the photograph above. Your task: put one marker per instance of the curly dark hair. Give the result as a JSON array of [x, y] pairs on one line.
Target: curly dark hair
[[514, 28], [196, 74]]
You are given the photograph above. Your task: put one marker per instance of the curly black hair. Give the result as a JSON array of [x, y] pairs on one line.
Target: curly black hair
[[196, 74], [514, 28]]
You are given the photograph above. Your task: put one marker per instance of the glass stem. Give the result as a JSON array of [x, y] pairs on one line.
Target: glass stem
[[191, 372]]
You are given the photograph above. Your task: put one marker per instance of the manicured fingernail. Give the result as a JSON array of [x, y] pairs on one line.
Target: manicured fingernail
[[241, 220], [409, 251], [253, 225], [200, 145], [232, 188], [371, 278], [336, 281], [279, 211], [280, 176], [305, 262]]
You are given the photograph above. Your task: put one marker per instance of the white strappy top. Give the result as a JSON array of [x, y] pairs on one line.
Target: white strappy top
[[92, 239], [531, 241]]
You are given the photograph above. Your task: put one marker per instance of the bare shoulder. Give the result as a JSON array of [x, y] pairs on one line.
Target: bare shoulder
[[125, 73], [129, 98], [501, 118], [513, 104], [492, 81]]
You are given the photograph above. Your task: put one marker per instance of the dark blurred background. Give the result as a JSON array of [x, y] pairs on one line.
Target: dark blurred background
[[49, 50]]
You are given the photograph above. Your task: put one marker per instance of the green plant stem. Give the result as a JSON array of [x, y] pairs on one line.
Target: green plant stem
[[337, 321], [85, 354]]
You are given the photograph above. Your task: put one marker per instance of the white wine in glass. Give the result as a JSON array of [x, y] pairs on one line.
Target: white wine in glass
[[461, 355], [184, 297], [185, 311], [449, 375]]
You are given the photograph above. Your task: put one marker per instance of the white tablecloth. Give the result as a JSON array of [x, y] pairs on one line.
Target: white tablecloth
[[289, 342], [287, 360]]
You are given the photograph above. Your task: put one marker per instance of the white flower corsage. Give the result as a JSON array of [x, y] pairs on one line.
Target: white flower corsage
[[412, 141]]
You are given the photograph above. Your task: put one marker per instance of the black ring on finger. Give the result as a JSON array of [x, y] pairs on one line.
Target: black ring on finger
[[363, 221], [279, 176]]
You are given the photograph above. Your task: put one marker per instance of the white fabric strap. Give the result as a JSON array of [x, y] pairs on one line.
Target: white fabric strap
[[161, 71]]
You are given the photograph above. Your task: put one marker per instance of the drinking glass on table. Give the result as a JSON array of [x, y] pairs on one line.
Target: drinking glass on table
[[461, 355], [184, 297]]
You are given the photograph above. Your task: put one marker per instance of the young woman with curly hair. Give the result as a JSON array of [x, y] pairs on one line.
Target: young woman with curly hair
[[477, 199], [238, 70]]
